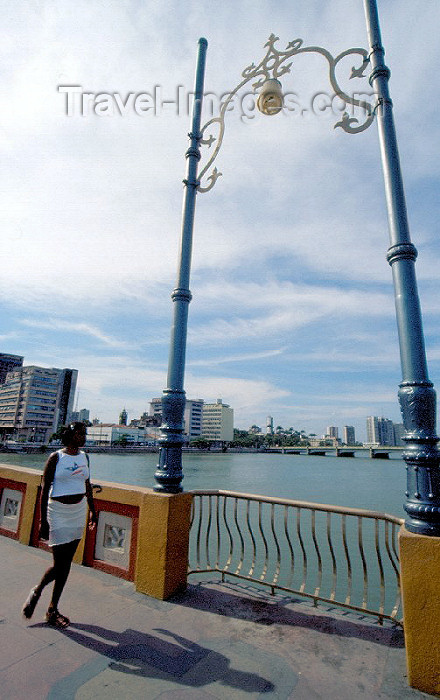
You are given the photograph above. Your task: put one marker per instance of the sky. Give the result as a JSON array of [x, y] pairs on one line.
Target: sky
[[293, 306]]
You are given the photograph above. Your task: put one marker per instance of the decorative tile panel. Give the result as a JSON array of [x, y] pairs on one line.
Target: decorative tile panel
[[10, 506], [113, 539]]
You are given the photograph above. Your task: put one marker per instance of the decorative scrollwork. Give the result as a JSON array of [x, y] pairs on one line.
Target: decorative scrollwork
[[274, 65]]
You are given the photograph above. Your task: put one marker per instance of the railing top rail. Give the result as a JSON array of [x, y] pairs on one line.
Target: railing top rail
[[302, 504]]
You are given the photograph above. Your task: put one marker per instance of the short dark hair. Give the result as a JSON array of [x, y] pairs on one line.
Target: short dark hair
[[68, 430]]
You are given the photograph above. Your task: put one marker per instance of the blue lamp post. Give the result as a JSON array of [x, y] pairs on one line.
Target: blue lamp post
[[169, 470], [416, 393]]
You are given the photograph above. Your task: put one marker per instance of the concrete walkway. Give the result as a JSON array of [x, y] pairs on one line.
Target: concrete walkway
[[216, 641]]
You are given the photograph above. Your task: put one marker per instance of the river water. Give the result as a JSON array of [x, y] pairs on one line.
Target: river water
[[374, 484]]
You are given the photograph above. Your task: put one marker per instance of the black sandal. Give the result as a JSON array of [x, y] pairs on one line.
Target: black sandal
[[31, 603], [55, 619]]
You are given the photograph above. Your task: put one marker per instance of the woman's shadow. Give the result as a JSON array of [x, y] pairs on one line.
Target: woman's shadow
[[150, 656]]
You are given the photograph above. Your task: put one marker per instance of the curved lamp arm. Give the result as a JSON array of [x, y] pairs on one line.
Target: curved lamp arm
[[274, 65]]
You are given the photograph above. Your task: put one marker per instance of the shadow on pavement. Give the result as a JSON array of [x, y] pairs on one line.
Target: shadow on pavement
[[174, 658], [258, 610]]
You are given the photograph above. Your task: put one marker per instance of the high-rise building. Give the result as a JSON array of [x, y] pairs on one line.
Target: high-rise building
[[380, 431], [218, 422], [269, 425], [123, 417], [67, 379], [35, 401], [9, 363], [348, 435], [82, 416], [192, 417], [156, 408], [399, 432], [332, 432], [372, 430]]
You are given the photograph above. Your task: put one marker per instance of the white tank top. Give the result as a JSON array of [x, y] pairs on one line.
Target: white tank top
[[71, 472]]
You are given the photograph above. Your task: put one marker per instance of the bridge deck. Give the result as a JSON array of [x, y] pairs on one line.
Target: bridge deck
[[215, 641]]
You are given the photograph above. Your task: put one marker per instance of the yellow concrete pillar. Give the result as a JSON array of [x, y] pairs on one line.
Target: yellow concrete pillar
[[29, 505], [420, 579], [163, 540]]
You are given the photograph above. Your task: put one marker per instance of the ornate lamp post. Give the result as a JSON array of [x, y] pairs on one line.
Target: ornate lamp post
[[169, 470], [416, 394]]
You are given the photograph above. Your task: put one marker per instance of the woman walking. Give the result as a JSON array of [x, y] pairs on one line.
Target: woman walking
[[65, 494]]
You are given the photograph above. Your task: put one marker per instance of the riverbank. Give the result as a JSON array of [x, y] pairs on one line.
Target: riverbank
[[118, 450], [380, 452]]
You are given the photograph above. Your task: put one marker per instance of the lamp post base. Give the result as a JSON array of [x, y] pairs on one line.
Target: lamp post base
[[169, 472]]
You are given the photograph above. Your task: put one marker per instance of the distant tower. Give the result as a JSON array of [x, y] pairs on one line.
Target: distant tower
[[348, 434], [269, 425], [380, 431], [84, 415], [332, 432], [123, 417]]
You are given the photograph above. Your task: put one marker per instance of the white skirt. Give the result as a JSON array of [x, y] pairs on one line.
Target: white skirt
[[66, 521]]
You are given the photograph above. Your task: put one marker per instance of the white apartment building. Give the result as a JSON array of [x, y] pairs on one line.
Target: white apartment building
[[218, 422], [35, 401], [380, 431], [156, 407], [192, 416]]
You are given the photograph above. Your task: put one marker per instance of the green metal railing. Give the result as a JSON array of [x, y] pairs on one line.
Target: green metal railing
[[341, 556]]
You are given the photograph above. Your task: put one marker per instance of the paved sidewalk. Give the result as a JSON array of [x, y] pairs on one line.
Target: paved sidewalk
[[225, 641]]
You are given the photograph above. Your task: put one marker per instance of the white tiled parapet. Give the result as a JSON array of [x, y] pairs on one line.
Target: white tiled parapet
[[113, 539], [10, 507]]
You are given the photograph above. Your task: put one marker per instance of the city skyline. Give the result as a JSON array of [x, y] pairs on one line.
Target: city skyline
[[348, 431], [293, 309], [192, 414]]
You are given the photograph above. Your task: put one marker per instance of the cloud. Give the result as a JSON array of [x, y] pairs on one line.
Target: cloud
[[75, 328], [242, 311], [245, 396], [215, 361]]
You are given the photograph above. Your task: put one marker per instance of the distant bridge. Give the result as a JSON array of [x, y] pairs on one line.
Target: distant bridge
[[380, 452]]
